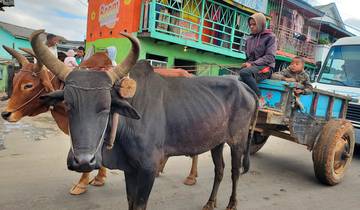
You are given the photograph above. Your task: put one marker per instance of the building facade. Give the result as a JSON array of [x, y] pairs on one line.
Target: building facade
[[331, 28], [303, 29], [202, 35], [195, 35], [290, 20]]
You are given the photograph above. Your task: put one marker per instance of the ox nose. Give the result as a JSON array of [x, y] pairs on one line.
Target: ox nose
[[5, 115], [83, 163], [85, 159]]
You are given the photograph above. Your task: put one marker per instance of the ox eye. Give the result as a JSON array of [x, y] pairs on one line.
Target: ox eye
[[27, 86]]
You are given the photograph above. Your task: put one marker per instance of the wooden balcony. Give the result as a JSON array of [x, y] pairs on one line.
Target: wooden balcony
[[211, 26], [291, 43]]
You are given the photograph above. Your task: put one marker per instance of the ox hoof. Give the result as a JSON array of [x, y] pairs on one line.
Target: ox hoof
[[98, 182], [158, 173], [232, 205], [78, 189], [211, 205], [190, 180]]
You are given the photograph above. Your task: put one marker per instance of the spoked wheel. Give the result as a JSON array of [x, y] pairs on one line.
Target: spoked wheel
[[333, 152], [342, 154], [258, 142]]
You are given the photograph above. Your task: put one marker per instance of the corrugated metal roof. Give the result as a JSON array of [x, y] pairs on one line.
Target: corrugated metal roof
[[17, 31], [308, 7], [22, 32], [332, 26], [328, 17]]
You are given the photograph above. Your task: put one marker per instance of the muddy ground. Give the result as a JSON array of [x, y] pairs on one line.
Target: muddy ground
[[34, 176]]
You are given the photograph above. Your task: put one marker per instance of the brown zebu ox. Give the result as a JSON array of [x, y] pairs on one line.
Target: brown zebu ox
[[34, 80], [29, 83]]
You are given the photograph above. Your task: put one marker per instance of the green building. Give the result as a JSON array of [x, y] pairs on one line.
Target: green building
[[203, 35], [15, 37], [198, 35]]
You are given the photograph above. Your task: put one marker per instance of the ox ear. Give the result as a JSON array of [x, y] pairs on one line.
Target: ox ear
[[124, 108], [53, 98]]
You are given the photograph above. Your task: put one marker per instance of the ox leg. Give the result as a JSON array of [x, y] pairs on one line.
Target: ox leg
[[161, 166], [81, 186], [236, 154], [217, 156], [145, 181], [99, 179], [130, 180], [191, 179]]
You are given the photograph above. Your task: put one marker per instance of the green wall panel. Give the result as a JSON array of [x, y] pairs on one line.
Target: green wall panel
[[3, 77], [207, 63]]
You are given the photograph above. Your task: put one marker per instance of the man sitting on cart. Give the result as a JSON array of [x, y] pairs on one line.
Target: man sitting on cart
[[260, 49]]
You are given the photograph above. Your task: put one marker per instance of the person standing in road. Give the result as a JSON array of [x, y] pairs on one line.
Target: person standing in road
[[80, 53], [51, 42]]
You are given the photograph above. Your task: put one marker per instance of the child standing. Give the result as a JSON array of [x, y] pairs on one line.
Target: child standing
[[70, 60], [295, 73]]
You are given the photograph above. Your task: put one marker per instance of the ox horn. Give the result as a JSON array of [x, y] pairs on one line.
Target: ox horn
[[44, 55], [29, 51], [19, 57], [123, 69]]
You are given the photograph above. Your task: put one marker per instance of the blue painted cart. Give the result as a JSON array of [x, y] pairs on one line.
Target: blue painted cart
[[316, 120]]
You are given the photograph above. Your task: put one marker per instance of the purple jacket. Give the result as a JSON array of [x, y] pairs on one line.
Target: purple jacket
[[261, 48]]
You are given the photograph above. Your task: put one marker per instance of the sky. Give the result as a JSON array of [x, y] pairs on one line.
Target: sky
[[67, 18]]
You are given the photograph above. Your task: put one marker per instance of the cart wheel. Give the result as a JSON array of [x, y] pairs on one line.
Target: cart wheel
[[333, 152], [257, 143]]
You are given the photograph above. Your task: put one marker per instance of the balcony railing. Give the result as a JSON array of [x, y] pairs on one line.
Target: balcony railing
[[295, 43], [212, 26], [201, 24]]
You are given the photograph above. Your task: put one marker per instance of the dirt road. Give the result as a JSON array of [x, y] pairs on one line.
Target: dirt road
[[34, 176]]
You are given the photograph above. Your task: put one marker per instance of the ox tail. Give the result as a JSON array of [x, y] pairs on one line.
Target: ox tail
[[246, 157]]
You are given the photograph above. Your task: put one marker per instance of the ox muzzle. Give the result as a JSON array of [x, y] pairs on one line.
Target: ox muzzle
[[5, 115], [83, 162]]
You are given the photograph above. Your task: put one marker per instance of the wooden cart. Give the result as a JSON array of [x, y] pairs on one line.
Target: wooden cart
[[316, 120]]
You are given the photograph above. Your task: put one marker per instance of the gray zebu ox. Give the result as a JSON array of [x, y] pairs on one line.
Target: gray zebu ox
[[179, 116]]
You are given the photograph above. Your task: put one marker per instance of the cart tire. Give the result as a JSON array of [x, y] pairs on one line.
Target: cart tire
[[333, 152], [257, 143]]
